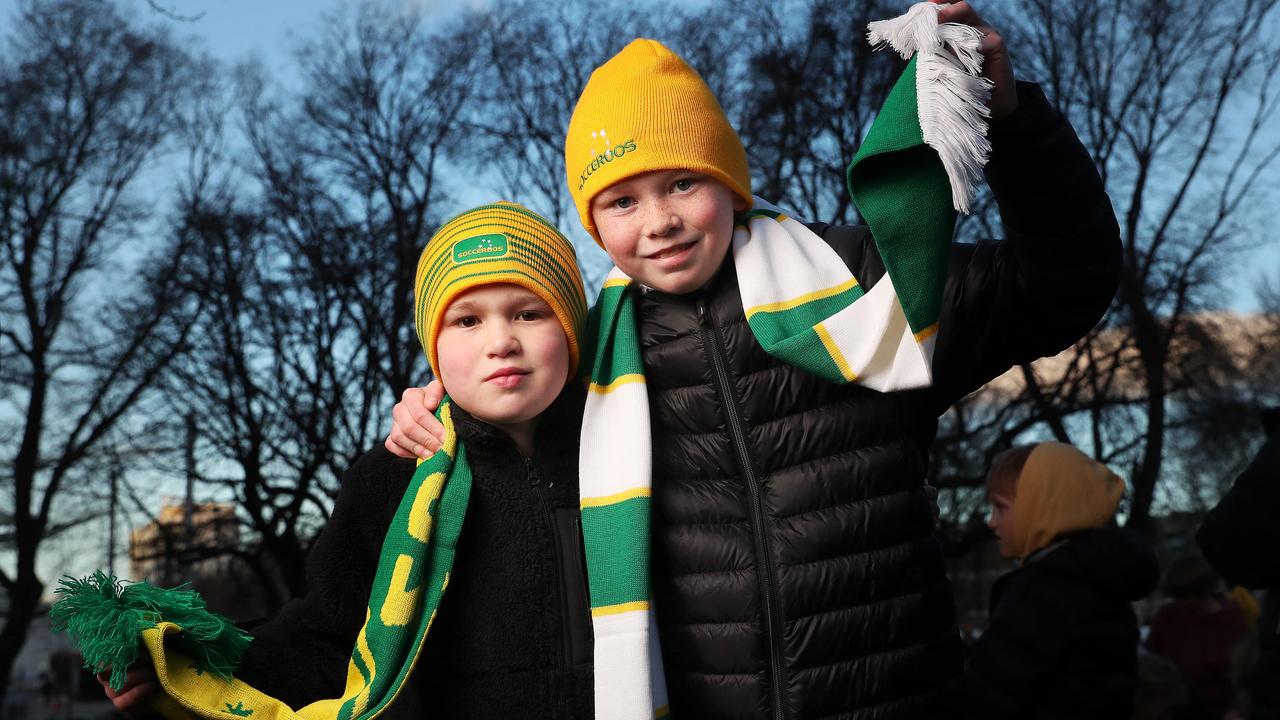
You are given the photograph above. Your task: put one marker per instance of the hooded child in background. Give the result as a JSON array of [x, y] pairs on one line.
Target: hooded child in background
[[1062, 640]]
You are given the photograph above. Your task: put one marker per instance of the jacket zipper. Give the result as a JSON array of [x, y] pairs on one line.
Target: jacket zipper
[[566, 647], [711, 338]]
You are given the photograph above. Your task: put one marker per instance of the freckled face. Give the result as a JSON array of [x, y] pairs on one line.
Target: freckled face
[[503, 354], [667, 229]]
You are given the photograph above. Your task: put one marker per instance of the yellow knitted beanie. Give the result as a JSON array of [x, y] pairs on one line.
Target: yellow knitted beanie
[[643, 110], [499, 243]]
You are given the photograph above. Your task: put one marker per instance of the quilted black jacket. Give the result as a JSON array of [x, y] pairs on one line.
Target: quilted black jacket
[[796, 571]]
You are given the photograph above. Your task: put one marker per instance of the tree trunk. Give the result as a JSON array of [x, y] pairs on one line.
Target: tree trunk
[[24, 599]]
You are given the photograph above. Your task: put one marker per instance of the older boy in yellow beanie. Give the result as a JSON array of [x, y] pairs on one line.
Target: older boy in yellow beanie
[[763, 392], [456, 588], [1062, 640]]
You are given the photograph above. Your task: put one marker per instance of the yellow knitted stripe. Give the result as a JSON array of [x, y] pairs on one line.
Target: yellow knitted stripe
[[926, 333], [836, 356], [641, 605], [809, 297], [617, 382], [615, 498]]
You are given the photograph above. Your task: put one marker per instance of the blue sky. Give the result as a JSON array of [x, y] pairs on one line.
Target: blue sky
[[233, 30]]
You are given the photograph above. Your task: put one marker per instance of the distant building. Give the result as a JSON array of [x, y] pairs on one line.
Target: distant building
[[170, 551]]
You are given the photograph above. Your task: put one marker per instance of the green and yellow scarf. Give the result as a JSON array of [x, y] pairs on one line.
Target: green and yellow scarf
[[193, 651]]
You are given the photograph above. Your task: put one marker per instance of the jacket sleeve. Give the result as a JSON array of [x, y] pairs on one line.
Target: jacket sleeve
[[301, 654], [1025, 639], [1240, 535], [1053, 276]]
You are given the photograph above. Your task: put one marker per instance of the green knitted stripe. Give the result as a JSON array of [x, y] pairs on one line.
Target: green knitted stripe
[[760, 212], [896, 182], [615, 315], [520, 233], [534, 255], [806, 351], [563, 282], [448, 516], [613, 537], [551, 264], [773, 327]]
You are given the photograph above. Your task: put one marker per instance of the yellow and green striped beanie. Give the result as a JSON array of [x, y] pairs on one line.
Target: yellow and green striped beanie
[[500, 243]]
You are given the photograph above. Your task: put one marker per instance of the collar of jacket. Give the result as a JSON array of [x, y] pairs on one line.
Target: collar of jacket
[[557, 433]]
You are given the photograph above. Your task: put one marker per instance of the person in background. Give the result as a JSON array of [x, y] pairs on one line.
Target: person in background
[[1197, 630], [1062, 640], [1240, 537]]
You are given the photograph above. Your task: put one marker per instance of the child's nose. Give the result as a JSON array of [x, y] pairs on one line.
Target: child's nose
[[501, 340], [660, 219]]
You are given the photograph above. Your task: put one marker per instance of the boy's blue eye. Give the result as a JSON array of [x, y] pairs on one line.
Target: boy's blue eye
[[623, 203], [529, 315], [684, 184]]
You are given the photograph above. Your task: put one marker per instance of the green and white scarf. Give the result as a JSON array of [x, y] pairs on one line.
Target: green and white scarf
[[107, 620], [806, 308]]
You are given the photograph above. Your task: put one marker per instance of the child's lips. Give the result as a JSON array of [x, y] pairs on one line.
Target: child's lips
[[672, 254], [507, 377]]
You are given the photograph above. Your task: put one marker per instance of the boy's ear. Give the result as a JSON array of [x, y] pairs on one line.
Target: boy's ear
[[739, 203]]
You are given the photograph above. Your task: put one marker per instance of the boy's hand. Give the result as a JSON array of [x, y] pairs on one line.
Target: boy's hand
[[140, 684], [995, 57], [415, 431]]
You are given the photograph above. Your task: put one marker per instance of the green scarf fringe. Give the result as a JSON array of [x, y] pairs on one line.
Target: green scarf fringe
[[105, 618]]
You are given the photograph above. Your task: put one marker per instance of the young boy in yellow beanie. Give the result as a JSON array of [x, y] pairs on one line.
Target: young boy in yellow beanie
[[480, 545], [764, 391], [1062, 639]]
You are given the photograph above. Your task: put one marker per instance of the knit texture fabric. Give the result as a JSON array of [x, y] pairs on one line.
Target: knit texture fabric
[[498, 243], [644, 110], [413, 572]]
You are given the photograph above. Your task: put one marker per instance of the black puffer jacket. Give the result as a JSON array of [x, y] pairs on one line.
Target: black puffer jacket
[[512, 637], [1063, 640], [796, 574]]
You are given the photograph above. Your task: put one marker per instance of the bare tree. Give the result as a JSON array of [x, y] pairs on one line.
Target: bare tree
[[1184, 136], [809, 96], [308, 267], [86, 102]]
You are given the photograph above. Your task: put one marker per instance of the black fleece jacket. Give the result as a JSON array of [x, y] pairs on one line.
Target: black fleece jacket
[[1062, 641], [512, 636], [796, 574]]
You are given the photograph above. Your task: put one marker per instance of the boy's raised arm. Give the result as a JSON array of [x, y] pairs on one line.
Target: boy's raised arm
[[1054, 275]]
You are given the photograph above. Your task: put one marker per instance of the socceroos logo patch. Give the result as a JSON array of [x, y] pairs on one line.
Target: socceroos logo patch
[[480, 247], [611, 153]]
